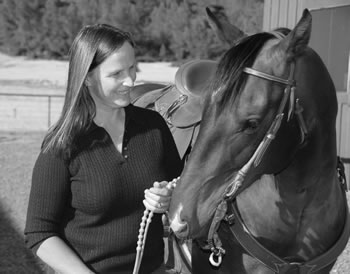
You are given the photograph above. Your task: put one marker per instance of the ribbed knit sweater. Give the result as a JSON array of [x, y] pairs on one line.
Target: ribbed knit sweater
[[93, 200]]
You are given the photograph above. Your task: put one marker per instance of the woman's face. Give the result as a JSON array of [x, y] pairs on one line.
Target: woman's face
[[110, 83]]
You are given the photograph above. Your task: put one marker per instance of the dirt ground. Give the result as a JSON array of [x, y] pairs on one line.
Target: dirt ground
[[18, 152]]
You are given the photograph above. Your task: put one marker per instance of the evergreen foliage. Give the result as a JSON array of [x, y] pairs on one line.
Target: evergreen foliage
[[164, 30]]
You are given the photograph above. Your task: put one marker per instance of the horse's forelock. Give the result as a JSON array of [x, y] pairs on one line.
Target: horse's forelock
[[229, 78]]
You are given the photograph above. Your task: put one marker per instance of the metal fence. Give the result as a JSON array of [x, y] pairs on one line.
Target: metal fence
[[24, 111], [35, 112]]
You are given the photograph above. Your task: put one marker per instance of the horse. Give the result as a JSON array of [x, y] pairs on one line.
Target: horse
[[262, 190]]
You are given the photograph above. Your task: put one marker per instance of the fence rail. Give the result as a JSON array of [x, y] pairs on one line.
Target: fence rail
[[28, 111], [23, 111]]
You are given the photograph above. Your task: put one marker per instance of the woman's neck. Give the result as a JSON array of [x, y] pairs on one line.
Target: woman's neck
[[109, 116], [113, 121]]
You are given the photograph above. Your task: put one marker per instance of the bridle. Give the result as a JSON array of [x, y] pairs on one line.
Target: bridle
[[230, 193], [294, 107], [227, 209]]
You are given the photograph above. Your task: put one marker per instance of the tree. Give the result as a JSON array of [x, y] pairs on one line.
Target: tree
[[249, 17], [181, 26], [55, 42], [8, 25], [162, 29]]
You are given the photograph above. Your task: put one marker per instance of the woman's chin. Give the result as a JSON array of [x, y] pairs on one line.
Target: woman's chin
[[122, 102]]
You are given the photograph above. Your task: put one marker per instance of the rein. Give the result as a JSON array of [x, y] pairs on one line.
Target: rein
[[274, 262]]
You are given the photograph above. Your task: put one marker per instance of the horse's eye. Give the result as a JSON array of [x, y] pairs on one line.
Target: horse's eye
[[251, 125]]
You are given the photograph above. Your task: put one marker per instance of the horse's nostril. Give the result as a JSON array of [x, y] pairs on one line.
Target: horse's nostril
[[179, 227]]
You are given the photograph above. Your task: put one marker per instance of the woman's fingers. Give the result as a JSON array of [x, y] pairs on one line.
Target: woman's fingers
[[160, 184], [158, 197], [160, 192], [155, 202], [158, 208], [149, 206], [155, 199]]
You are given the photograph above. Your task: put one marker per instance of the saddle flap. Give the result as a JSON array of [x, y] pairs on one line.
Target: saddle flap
[[148, 99], [140, 90]]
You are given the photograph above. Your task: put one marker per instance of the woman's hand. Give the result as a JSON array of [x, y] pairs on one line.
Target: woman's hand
[[157, 198]]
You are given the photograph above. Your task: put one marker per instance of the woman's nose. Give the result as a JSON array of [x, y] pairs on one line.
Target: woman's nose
[[129, 79], [128, 82]]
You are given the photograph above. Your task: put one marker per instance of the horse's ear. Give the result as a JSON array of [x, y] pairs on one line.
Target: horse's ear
[[226, 32], [297, 40]]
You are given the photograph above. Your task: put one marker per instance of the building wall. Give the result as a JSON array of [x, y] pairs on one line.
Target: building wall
[[281, 13], [286, 13], [330, 38]]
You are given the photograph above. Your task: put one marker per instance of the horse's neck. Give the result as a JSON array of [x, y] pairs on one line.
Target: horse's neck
[[309, 181], [291, 216]]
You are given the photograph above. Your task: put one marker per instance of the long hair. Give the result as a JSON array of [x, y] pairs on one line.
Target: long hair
[[92, 45]]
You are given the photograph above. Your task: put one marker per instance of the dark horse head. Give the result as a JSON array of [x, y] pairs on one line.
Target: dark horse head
[[268, 143]]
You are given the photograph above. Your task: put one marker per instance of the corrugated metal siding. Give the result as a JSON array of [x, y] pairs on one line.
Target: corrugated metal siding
[[281, 13], [286, 13], [343, 132]]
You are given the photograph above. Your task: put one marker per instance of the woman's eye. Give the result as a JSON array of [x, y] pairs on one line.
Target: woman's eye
[[114, 74]]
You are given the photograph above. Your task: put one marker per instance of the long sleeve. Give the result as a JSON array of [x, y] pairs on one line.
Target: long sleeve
[[49, 191], [93, 201], [173, 163]]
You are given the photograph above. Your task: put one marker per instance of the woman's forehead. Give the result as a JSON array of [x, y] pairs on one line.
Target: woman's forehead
[[122, 57]]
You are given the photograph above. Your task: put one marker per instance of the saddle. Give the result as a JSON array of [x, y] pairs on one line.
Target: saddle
[[141, 89], [181, 104]]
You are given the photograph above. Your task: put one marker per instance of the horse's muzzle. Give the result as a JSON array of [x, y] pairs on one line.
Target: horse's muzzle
[[179, 227]]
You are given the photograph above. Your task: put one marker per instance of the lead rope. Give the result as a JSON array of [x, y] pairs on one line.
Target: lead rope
[[144, 225]]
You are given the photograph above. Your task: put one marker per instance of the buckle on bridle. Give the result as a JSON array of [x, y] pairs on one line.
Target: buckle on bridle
[[341, 174], [216, 252], [230, 219]]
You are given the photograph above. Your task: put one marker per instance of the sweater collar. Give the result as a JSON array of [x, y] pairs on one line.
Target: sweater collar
[[132, 115]]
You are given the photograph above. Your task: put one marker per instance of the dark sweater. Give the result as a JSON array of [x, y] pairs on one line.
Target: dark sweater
[[93, 200]]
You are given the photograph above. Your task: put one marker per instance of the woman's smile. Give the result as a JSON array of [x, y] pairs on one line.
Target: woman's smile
[[124, 91]]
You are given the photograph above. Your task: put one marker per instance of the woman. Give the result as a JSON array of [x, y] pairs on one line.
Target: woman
[[97, 164]]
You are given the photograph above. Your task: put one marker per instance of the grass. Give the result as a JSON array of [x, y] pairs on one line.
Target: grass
[[18, 152]]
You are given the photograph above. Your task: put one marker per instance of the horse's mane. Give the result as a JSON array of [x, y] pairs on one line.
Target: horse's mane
[[229, 78]]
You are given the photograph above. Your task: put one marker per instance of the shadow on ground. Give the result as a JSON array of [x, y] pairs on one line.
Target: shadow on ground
[[14, 256]]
